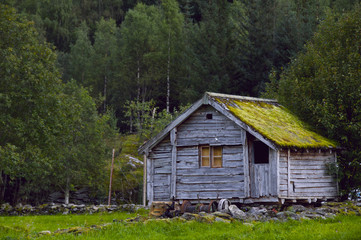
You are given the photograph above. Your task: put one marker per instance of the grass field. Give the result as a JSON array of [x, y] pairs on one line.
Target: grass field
[[27, 227]]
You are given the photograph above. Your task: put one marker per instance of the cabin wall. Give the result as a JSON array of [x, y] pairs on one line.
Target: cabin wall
[[219, 130], [283, 173], [195, 182], [191, 180], [159, 173], [306, 174]]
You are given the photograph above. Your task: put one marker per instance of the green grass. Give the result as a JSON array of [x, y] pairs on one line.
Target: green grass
[[341, 227], [27, 226]]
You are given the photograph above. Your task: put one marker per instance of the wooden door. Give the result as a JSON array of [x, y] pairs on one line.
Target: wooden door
[[260, 177]]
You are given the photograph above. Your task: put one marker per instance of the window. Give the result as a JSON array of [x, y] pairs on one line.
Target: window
[[209, 116], [261, 152], [211, 156]]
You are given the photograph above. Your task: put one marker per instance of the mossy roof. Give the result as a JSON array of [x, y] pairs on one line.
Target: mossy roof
[[273, 121]]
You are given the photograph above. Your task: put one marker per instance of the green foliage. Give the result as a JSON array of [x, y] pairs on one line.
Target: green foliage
[[323, 87], [103, 59], [79, 66], [149, 121], [83, 148], [216, 47], [29, 100], [50, 132]]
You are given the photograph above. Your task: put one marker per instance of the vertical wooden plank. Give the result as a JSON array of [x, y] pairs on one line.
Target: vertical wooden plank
[[252, 172], [246, 170], [267, 185], [289, 172], [173, 140], [273, 172], [144, 180], [150, 172]]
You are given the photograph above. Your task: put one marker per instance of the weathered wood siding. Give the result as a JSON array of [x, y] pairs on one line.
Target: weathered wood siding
[[160, 173], [283, 173], [193, 181], [197, 129], [306, 175]]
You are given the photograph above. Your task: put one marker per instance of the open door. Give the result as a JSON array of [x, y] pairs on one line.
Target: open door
[[259, 166]]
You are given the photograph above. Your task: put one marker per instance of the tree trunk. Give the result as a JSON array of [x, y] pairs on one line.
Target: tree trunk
[[3, 187], [138, 95], [138, 80], [67, 190], [168, 71]]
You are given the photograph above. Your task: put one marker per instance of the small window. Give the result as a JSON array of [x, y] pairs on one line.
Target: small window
[[261, 152], [209, 116], [211, 156], [205, 156]]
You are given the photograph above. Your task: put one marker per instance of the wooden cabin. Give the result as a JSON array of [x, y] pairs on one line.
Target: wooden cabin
[[241, 148]]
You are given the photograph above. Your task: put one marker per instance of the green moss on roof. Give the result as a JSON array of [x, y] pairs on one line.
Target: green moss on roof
[[275, 123]]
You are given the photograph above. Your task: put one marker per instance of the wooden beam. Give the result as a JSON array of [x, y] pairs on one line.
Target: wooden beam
[[150, 178], [145, 180], [246, 170], [337, 187], [173, 140], [289, 172]]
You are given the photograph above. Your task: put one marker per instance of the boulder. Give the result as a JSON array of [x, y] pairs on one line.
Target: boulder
[[287, 215], [218, 219], [222, 215], [297, 208], [236, 212]]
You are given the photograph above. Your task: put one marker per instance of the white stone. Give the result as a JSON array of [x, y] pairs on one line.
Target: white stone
[[236, 212]]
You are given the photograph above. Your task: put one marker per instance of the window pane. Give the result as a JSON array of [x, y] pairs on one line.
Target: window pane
[[217, 151], [205, 156], [217, 162], [205, 161], [205, 151]]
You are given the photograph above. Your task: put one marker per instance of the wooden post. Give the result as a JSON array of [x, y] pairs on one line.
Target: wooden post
[[145, 180], [173, 139], [289, 172], [111, 177]]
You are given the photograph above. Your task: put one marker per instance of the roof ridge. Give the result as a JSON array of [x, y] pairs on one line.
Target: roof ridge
[[213, 94]]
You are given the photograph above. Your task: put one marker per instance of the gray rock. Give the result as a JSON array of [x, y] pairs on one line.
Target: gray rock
[[297, 208], [257, 210], [286, 215], [222, 215], [189, 216], [248, 224], [321, 211], [45, 232], [6, 207], [236, 212], [218, 219]]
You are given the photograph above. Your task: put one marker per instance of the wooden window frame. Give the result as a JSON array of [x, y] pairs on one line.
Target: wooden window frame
[[211, 157]]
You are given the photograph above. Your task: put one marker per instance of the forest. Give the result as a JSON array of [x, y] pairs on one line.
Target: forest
[[81, 77]]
